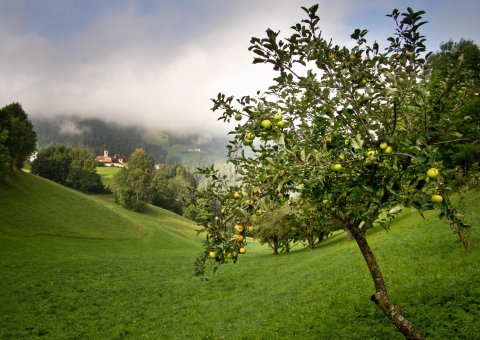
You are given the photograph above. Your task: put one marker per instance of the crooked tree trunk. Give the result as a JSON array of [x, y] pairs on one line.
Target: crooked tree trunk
[[381, 297]]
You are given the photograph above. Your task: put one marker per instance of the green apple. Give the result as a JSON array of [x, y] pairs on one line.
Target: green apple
[[388, 150], [212, 254], [433, 173], [281, 124], [278, 117], [352, 57], [437, 198], [336, 167], [251, 136], [266, 124], [237, 194], [342, 157], [371, 153], [229, 256], [238, 116], [242, 250], [259, 212], [250, 228], [247, 142], [383, 145], [248, 202]]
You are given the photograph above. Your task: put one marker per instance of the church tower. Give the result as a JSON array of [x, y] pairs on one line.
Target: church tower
[[105, 151]]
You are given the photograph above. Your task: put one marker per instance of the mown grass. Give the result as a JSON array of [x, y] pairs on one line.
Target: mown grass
[[35, 206], [81, 287], [106, 173]]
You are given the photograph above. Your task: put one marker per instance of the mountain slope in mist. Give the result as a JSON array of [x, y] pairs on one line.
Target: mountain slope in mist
[[189, 150]]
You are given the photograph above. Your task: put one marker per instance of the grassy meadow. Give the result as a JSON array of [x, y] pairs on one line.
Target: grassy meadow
[[106, 173], [78, 266]]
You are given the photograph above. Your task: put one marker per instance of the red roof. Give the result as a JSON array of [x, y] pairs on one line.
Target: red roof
[[103, 159]]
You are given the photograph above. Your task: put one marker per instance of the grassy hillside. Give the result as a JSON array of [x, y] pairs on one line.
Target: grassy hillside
[[84, 287], [35, 206], [106, 173]]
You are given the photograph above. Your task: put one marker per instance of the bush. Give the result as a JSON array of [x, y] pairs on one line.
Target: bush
[[74, 168]]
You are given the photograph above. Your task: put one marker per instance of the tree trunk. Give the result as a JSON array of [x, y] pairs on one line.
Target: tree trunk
[[275, 248], [381, 297], [311, 241], [320, 236], [349, 234]]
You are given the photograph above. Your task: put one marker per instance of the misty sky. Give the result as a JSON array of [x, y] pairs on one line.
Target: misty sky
[[157, 63]]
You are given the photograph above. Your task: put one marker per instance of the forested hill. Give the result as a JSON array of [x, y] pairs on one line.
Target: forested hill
[[189, 150]]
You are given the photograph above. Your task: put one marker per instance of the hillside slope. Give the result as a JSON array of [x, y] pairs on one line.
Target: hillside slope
[[61, 287], [94, 134], [34, 206]]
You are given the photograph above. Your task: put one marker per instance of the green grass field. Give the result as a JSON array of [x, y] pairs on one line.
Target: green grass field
[[106, 173], [76, 266]]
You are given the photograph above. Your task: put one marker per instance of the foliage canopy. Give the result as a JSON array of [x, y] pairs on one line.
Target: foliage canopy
[[17, 137], [72, 167], [346, 129]]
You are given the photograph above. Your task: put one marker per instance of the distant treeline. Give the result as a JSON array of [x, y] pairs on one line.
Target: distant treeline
[[94, 134]]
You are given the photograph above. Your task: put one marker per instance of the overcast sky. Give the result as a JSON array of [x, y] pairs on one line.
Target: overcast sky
[[157, 63]]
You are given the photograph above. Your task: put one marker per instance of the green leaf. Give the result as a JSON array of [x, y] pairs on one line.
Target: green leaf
[[354, 144], [281, 140], [396, 209], [280, 185], [359, 140]]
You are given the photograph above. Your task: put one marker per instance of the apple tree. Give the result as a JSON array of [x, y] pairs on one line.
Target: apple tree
[[344, 128], [312, 224], [276, 227]]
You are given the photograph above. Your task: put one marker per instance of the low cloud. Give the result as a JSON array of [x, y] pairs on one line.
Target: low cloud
[[157, 68], [69, 127]]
